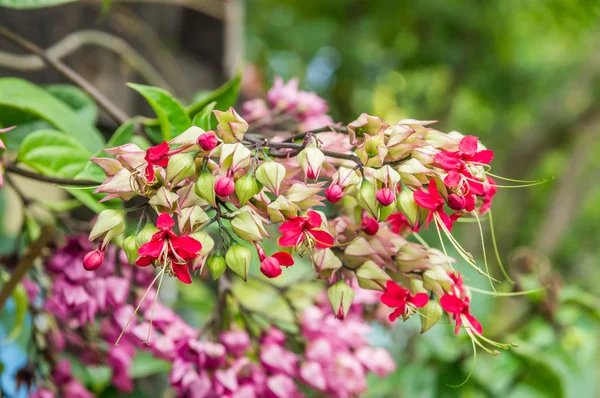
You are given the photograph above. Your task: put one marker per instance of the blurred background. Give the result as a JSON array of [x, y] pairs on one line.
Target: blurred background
[[523, 76]]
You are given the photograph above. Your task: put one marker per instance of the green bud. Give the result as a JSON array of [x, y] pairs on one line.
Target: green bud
[[248, 226], [366, 198], [371, 276], [110, 223], [385, 211], [437, 280], [180, 166], [145, 234], [245, 188], [271, 175], [430, 315], [216, 265], [238, 259], [340, 297], [131, 247], [408, 206], [205, 187], [231, 127]]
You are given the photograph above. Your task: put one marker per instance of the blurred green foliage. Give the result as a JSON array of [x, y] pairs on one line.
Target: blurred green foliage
[[524, 76]]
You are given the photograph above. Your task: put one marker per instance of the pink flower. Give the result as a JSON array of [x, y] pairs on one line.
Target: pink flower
[[385, 196], [281, 386], [170, 248], [255, 109], [304, 227], [207, 141], [93, 260], [396, 296], [276, 359], [156, 156], [283, 96], [460, 308], [467, 153], [236, 342], [334, 193], [434, 202], [224, 186], [376, 360], [271, 266]]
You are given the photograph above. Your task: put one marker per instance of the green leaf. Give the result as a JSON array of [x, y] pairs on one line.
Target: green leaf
[[205, 119], [53, 153], [225, 96], [31, 99], [144, 365], [172, 117], [21, 301], [77, 99], [32, 3], [544, 375]]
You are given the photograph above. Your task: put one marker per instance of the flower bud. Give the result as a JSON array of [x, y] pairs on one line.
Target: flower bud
[[408, 207], [216, 265], [437, 280], [366, 198], [234, 157], [364, 125], [245, 188], [456, 202], [334, 193], [205, 187], [371, 276], [385, 211], [207, 245], [145, 234], [231, 126], [430, 315], [311, 160], [340, 297], [271, 175], [110, 223], [248, 226], [385, 196], [325, 263], [370, 226], [238, 259], [207, 141], [180, 167], [224, 186], [130, 247], [270, 267], [93, 260]]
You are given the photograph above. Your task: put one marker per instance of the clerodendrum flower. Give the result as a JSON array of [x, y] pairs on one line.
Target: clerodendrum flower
[[402, 300], [169, 249], [460, 309], [156, 156], [434, 202], [297, 229]]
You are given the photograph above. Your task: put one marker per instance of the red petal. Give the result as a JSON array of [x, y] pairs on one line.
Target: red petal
[[152, 248], [468, 144], [445, 219], [424, 200], [452, 304], [428, 219], [458, 324], [144, 261], [397, 312], [284, 258], [433, 192], [475, 325], [165, 222], [392, 300], [484, 157], [149, 173], [186, 243], [270, 267], [419, 300], [290, 239], [448, 161], [452, 179], [293, 224], [315, 219], [157, 153], [322, 238], [182, 272]]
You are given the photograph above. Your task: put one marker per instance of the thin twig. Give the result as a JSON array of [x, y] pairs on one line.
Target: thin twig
[[325, 129], [109, 107], [26, 263], [11, 168]]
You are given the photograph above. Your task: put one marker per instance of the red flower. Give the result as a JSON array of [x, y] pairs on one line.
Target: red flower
[[156, 156], [271, 266], [398, 222], [467, 153], [489, 194], [433, 201], [370, 225], [298, 228], [166, 246], [396, 296], [460, 308]]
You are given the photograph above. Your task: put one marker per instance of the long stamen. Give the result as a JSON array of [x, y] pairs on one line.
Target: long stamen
[[508, 278], [421, 240], [540, 182], [162, 275], [472, 367], [443, 246], [138, 307], [487, 268], [506, 294], [523, 181]]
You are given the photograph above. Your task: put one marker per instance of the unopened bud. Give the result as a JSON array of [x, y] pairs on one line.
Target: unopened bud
[[364, 125], [371, 276], [231, 126], [370, 226], [216, 265], [430, 315], [270, 267], [408, 207], [93, 260], [145, 234], [456, 202], [248, 227], [110, 224], [238, 259], [224, 186], [340, 297], [271, 175], [207, 141], [180, 167], [245, 188], [366, 198], [386, 196], [205, 187], [130, 247], [311, 160], [334, 193]]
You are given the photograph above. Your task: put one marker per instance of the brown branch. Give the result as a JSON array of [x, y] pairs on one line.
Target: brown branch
[[11, 168], [315, 131], [108, 106], [26, 263]]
